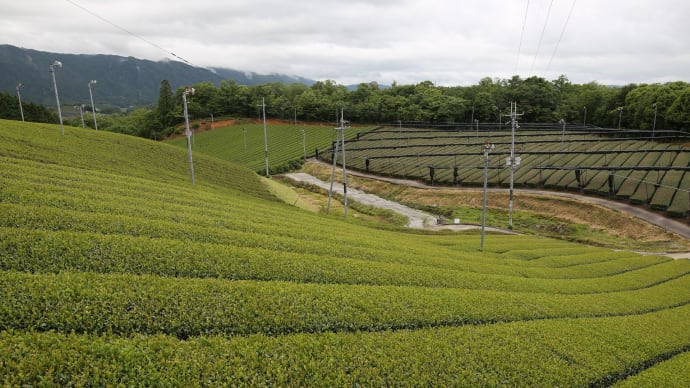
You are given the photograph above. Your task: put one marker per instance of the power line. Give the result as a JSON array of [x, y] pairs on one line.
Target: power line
[[130, 32], [541, 38], [555, 49], [522, 35]]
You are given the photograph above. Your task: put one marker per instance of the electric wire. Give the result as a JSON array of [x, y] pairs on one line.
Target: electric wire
[[129, 32], [555, 49], [541, 38], [522, 35]]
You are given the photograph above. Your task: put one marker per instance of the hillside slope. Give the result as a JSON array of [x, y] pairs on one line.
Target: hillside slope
[[243, 143], [122, 81], [114, 269]]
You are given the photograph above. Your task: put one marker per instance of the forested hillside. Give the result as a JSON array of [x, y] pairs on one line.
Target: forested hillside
[[122, 81]]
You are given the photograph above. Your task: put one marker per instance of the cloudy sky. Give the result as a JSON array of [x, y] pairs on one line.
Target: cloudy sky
[[449, 42]]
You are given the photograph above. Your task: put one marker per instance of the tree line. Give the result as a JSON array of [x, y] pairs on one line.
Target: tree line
[[9, 109], [634, 106], [488, 101]]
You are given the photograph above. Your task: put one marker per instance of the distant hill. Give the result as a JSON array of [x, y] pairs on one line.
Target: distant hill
[[122, 81]]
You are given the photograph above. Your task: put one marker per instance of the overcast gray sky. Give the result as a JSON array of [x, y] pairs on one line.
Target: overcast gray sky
[[449, 42]]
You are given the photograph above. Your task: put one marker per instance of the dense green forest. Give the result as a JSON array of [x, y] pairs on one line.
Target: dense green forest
[[632, 106], [9, 109]]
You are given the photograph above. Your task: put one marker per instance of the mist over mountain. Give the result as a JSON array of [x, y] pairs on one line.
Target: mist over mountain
[[121, 81]]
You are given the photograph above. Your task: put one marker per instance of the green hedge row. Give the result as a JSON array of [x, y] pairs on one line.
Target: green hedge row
[[128, 304], [110, 153], [54, 219], [669, 373], [45, 252], [568, 352]]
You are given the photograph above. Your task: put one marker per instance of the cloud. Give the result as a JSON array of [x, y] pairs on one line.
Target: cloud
[[445, 41]]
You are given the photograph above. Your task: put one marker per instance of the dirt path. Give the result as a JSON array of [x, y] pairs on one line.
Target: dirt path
[[417, 218]]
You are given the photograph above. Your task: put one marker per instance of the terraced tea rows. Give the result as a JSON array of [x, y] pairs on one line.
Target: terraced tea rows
[[244, 143], [133, 276], [644, 170]]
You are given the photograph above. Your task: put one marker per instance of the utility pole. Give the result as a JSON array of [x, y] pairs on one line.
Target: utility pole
[[188, 133], [80, 108], [335, 158], [57, 98], [654, 123], [340, 137], [263, 107], [304, 143], [513, 162], [93, 108], [488, 147], [342, 133], [19, 97]]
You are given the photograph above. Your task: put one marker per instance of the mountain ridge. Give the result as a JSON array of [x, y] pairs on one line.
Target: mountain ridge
[[122, 81]]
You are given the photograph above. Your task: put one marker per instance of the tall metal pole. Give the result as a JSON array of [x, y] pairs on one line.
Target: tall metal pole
[[584, 120], [487, 148], [335, 158], [188, 133], [514, 162], [80, 108], [400, 140], [19, 97], [513, 113], [654, 124], [263, 108], [342, 133], [304, 143], [57, 98], [93, 108]]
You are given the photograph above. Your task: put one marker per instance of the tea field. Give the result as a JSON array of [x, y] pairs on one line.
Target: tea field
[[116, 270], [243, 143], [645, 170]]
